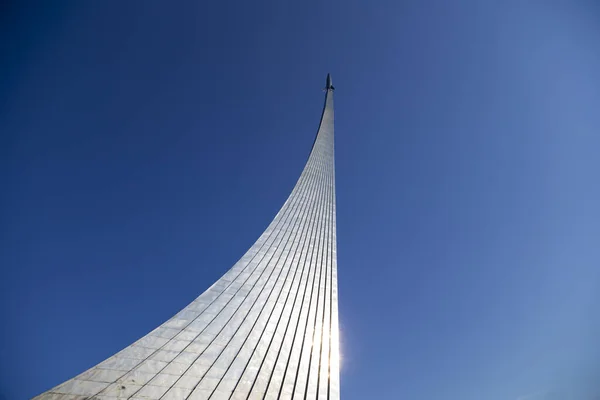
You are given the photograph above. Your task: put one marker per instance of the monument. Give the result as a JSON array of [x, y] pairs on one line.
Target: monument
[[267, 329]]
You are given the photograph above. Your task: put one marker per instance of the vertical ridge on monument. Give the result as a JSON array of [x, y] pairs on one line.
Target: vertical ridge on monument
[[267, 329]]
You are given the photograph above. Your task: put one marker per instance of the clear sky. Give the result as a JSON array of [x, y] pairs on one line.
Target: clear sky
[[145, 145]]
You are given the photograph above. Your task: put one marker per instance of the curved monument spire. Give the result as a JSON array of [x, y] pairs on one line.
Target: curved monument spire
[[268, 329]]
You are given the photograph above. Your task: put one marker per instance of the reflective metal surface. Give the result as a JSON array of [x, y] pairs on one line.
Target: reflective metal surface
[[268, 329]]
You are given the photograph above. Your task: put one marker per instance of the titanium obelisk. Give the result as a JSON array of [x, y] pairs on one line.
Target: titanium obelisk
[[268, 329]]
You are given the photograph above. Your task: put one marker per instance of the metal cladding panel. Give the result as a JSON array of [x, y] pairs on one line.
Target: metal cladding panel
[[268, 329]]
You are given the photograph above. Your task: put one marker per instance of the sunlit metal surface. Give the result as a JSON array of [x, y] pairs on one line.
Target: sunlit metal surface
[[268, 329]]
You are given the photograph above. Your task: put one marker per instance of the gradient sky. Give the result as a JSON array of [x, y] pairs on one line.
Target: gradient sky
[[145, 145]]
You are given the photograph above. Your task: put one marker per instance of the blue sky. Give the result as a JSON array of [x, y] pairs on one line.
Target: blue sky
[[146, 145]]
